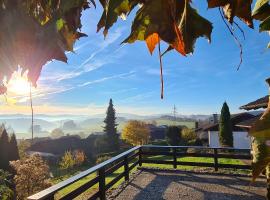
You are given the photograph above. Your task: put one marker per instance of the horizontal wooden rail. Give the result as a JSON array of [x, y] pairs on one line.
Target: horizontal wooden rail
[[175, 152], [137, 156], [102, 170]]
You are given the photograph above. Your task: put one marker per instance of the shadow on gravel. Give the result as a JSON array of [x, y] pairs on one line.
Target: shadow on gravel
[[195, 185]]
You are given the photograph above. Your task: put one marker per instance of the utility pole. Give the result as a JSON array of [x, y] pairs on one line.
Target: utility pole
[[174, 113]]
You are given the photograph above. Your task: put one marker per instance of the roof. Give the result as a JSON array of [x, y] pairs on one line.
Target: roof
[[248, 123], [259, 103], [236, 119]]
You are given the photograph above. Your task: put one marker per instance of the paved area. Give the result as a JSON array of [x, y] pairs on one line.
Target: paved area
[[173, 185]]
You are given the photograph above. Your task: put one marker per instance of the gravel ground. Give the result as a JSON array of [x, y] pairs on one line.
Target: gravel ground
[[186, 185]]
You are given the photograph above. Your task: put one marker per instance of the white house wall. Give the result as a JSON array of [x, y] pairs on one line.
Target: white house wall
[[240, 139]]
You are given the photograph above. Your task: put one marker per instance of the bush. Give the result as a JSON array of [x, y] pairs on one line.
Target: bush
[[32, 175], [188, 134], [67, 161], [173, 135], [5, 186]]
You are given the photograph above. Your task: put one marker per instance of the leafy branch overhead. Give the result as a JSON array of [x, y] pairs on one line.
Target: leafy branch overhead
[[48, 29]]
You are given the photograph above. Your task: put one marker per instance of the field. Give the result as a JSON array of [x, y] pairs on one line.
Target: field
[[177, 123], [161, 166]]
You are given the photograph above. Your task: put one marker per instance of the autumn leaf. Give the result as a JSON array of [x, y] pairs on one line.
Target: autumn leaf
[[261, 148], [261, 157], [155, 17], [232, 8], [261, 10], [193, 26], [112, 10], [46, 30], [152, 41]]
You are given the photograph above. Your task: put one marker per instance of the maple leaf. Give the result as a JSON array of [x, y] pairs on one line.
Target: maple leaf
[[152, 41], [46, 30], [155, 17], [261, 11], [174, 22], [193, 26], [112, 10], [232, 8]]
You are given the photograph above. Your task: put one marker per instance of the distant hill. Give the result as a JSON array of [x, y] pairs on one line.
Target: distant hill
[[87, 124], [23, 124]]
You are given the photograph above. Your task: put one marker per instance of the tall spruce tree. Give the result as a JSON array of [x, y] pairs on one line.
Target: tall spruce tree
[[13, 148], [4, 148], [225, 127], [110, 127]]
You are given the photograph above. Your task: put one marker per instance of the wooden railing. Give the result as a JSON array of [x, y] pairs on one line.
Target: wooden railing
[[196, 151], [137, 156]]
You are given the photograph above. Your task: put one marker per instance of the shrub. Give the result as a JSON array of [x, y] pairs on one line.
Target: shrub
[[173, 135], [32, 175], [188, 134], [79, 157], [67, 161]]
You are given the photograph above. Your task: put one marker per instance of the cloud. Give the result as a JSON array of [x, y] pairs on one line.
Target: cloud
[[119, 91], [75, 110], [106, 78], [156, 72], [97, 59]]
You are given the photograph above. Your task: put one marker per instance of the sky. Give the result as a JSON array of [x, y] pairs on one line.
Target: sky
[[102, 69]]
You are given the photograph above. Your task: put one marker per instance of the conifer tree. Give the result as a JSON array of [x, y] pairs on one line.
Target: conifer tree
[[225, 127], [13, 148], [4, 148], [110, 127]]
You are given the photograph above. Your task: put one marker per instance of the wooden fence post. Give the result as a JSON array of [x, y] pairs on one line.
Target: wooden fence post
[[126, 168], [174, 158], [102, 189], [216, 159], [140, 156]]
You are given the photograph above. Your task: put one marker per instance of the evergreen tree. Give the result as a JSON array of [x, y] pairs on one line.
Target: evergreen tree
[[110, 127], [173, 135], [13, 148], [225, 127], [4, 148]]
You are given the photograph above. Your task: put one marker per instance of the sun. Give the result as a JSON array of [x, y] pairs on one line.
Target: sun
[[19, 84]]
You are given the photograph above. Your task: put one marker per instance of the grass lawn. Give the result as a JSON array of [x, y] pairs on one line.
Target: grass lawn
[[196, 159], [161, 166]]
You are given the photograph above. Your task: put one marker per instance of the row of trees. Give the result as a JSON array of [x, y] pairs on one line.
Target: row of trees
[[138, 133], [8, 148]]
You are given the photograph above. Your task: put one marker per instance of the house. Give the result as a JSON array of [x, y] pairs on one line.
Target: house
[[261, 103], [241, 138], [258, 104]]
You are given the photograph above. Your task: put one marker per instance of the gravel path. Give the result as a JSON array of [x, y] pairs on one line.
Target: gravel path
[[172, 185]]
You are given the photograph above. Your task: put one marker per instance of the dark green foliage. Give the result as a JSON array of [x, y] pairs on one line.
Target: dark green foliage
[[5, 186], [4, 150], [8, 149], [13, 148], [225, 127], [173, 135], [110, 128]]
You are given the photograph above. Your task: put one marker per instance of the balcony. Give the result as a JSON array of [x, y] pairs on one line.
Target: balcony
[[149, 183]]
